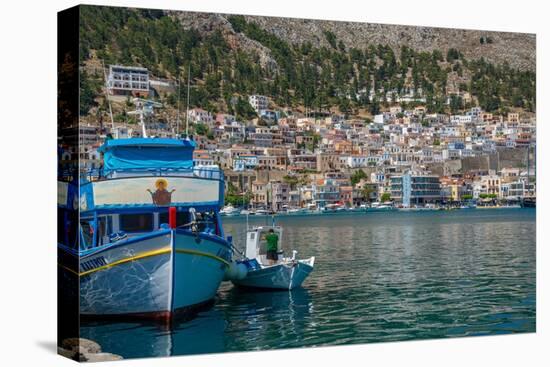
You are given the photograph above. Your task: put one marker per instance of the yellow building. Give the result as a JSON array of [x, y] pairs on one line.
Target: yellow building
[[455, 193]]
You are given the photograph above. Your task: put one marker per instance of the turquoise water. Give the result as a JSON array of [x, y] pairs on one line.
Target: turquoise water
[[378, 277]]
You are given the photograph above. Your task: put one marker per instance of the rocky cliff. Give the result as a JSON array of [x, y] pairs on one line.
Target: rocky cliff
[[517, 49]]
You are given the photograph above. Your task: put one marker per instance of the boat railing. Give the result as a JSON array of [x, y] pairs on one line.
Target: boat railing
[[212, 173]]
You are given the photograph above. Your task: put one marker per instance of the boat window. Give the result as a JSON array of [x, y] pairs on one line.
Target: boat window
[[207, 222], [136, 222], [87, 234], [181, 218], [101, 231], [67, 227], [72, 228], [262, 245], [61, 226]]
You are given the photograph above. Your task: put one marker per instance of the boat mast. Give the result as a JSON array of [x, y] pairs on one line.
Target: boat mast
[[187, 111], [528, 170], [179, 102], [107, 90], [144, 106], [142, 122]]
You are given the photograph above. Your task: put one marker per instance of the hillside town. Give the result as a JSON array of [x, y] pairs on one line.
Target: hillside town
[[286, 160]]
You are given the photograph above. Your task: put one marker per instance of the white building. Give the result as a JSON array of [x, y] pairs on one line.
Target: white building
[[128, 80], [245, 162], [258, 102], [198, 115], [460, 119], [356, 161], [378, 177]]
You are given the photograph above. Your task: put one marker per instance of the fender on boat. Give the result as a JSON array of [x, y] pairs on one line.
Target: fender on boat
[[235, 271]]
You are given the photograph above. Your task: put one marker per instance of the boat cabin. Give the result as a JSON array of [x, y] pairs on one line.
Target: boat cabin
[[256, 244], [96, 231], [141, 180]]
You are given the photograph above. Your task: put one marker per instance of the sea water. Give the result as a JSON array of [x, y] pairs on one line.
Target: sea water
[[378, 277]]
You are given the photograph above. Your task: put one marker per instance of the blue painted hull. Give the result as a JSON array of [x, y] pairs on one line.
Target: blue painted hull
[[276, 277], [200, 265], [155, 276]]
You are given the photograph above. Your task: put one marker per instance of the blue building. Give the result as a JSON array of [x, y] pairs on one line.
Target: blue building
[[413, 189]]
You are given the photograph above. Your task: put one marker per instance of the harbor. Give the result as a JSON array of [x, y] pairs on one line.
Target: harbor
[[366, 210], [378, 277], [353, 196]]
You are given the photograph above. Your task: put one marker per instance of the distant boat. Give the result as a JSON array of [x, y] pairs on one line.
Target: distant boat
[[298, 211], [417, 208], [529, 202], [469, 205], [381, 207], [229, 210], [286, 273], [333, 208]]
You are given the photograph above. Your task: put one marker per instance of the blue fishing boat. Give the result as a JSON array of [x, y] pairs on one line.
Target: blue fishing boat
[[144, 236]]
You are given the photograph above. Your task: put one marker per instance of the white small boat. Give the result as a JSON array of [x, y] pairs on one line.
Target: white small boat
[[229, 210], [284, 273], [380, 207], [298, 211]]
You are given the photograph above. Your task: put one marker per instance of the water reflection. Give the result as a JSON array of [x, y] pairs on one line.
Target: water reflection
[[251, 320], [257, 319]]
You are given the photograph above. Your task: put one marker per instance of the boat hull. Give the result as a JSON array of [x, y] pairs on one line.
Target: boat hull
[[153, 277], [200, 264], [281, 276]]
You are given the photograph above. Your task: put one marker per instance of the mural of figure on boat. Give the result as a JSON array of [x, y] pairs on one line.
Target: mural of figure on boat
[[161, 196]]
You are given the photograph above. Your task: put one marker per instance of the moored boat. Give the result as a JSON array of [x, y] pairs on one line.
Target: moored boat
[[143, 238], [285, 273], [149, 240], [529, 202], [229, 210], [381, 207]]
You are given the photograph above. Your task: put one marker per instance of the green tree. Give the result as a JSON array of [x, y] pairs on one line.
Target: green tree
[[367, 191], [357, 176], [201, 129], [331, 38]]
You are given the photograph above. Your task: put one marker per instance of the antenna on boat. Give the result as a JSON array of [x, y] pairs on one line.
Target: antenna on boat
[[179, 108], [187, 111], [144, 107], [107, 90]]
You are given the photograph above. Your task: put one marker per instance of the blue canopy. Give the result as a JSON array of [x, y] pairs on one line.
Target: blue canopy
[[147, 153]]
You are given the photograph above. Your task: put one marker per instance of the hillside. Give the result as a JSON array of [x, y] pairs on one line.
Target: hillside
[[309, 63], [517, 49]]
